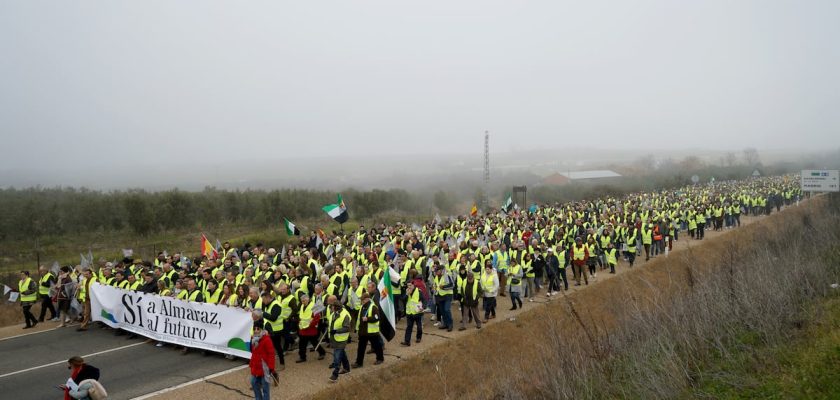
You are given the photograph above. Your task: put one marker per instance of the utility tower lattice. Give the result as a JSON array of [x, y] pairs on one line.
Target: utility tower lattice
[[485, 197]]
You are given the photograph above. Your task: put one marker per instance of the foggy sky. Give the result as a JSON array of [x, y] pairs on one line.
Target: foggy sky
[[136, 83]]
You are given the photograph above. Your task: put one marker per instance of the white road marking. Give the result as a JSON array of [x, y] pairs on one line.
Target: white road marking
[[65, 361], [30, 333], [206, 378]]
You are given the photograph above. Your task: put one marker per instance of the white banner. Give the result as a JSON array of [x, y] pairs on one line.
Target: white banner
[[198, 325]]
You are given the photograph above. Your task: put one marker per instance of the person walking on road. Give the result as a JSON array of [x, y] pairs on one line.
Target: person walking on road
[[28, 296], [470, 290], [414, 313], [367, 324], [580, 256], [88, 279], [45, 283], [64, 295], [339, 330], [262, 363], [490, 289]]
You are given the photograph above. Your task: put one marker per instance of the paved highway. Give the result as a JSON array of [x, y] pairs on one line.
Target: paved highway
[[32, 366]]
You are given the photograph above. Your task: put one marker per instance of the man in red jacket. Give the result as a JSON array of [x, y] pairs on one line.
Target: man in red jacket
[[262, 362]]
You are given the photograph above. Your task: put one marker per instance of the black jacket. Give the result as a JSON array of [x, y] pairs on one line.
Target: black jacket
[[363, 312], [87, 372]]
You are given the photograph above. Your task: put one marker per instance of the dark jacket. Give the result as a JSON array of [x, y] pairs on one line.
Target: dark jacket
[[374, 317], [467, 299], [538, 265], [150, 287], [553, 265], [87, 372]]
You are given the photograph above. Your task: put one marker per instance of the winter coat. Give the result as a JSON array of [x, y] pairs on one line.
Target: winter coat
[[262, 356]]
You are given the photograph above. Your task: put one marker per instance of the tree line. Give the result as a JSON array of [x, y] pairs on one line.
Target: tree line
[[38, 211]]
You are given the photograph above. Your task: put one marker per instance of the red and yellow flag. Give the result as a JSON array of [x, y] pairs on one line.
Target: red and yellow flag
[[207, 249], [474, 210]]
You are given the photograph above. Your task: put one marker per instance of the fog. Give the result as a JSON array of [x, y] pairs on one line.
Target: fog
[[316, 94]]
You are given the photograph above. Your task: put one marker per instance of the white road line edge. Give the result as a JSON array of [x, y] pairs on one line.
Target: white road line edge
[[27, 334], [65, 361], [206, 378]]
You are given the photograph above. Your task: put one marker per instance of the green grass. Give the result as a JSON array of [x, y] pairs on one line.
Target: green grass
[[805, 367]]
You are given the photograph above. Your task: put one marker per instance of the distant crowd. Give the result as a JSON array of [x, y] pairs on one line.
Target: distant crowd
[[322, 290]]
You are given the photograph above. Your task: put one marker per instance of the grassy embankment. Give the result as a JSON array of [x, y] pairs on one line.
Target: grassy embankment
[[708, 322]]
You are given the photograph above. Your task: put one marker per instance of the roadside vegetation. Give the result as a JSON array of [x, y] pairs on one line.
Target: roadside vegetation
[[683, 326]]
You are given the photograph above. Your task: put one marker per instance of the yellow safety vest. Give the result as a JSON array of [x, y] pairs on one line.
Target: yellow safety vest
[[305, 315], [338, 323], [192, 296], [214, 297], [487, 282], [529, 270], [373, 327], [277, 325], [610, 256], [414, 305], [286, 310], [578, 253], [85, 285], [474, 287], [24, 286], [439, 280], [44, 290], [233, 300]]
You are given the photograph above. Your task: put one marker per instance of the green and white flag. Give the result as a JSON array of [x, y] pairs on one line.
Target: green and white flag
[[508, 204], [291, 229], [387, 314], [337, 211]]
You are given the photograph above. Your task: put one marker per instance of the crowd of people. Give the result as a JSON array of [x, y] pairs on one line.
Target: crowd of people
[[322, 290]]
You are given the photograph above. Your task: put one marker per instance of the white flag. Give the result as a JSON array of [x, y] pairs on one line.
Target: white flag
[[13, 297], [6, 290]]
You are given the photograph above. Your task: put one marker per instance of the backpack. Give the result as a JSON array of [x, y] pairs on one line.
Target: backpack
[[96, 391], [424, 292]]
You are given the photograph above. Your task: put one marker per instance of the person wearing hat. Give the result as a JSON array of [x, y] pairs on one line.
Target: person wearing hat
[[262, 362]]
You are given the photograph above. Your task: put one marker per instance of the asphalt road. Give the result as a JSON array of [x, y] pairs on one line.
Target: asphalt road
[[32, 366]]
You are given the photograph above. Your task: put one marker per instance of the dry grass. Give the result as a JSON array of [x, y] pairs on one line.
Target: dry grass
[[645, 334]]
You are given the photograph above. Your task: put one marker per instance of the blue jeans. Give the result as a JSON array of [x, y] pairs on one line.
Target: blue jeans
[[259, 384], [340, 360], [446, 312]]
